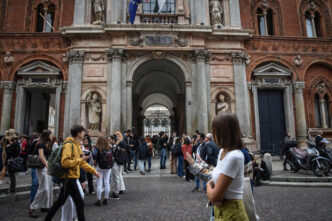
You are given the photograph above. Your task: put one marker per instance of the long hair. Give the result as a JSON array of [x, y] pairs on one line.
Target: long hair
[[102, 144], [119, 137], [226, 131], [45, 138]]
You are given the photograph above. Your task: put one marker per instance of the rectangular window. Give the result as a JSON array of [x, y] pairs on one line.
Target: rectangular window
[[152, 7]]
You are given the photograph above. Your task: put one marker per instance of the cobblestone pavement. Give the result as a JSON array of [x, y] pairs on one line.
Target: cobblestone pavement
[[170, 198]]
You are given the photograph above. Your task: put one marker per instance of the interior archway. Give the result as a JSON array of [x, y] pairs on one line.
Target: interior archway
[[159, 82]]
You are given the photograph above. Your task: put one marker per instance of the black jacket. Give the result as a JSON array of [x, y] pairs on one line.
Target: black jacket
[[13, 150], [209, 153], [142, 151]]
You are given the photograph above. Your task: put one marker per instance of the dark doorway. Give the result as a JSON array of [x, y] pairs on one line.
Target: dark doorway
[[271, 120]]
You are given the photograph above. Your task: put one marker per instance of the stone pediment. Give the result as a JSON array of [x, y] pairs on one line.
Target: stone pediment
[[38, 68], [272, 69]]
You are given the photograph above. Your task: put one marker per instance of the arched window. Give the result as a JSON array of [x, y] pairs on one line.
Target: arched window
[[317, 24], [327, 110], [50, 18], [164, 122], [156, 123], [45, 19], [40, 18], [269, 21], [313, 26], [148, 122], [318, 118], [261, 22]]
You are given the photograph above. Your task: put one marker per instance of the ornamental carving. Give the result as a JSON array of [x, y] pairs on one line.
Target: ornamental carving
[[298, 61], [8, 86], [201, 55], [136, 40], [95, 58], [11, 42], [321, 88], [216, 12], [181, 41], [240, 57], [98, 11], [116, 53], [9, 59], [74, 56]]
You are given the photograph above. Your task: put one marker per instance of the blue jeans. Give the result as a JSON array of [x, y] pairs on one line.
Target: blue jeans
[[34, 184], [141, 165], [180, 166], [149, 162], [197, 182], [163, 158]]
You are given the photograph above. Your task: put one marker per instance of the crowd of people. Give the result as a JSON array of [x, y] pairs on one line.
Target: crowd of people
[[121, 152]]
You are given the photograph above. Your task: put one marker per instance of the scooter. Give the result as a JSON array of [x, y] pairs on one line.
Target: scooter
[[323, 151], [309, 159]]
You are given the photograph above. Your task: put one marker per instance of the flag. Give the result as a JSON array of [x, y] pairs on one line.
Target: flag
[[133, 5], [161, 4]]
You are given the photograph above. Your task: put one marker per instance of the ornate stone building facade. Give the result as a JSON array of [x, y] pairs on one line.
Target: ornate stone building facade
[[268, 61]]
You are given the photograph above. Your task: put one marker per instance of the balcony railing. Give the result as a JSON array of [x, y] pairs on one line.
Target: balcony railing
[[159, 19]]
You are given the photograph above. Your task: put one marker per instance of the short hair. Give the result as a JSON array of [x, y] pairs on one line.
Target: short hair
[[209, 136], [128, 131], [202, 136], [195, 136], [76, 129]]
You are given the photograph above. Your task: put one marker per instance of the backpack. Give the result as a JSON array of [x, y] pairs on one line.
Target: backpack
[[30, 147], [121, 156], [54, 162], [105, 159], [176, 150]]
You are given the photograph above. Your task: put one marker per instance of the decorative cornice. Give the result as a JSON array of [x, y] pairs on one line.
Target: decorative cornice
[[299, 86], [8, 86]]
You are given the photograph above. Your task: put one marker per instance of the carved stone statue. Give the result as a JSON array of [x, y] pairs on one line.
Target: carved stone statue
[[94, 111], [98, 9], [222, 105], [216, 12]]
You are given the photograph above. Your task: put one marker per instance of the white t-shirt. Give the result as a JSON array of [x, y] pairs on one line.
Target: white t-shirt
[[233, 166]]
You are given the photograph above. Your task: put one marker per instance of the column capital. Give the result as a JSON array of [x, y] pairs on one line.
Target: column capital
[[201, 55], [8, 86], [188, 83], [240, 58], [75, 56], [129, 83], [116, 54], [299, 86], [65, 86]]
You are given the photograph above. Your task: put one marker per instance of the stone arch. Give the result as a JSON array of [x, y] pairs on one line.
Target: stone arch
[[97, 90], [324, 61], [278, 17], [270, 59], [157, 98], [39, 57], [177, 61], [324, 11]]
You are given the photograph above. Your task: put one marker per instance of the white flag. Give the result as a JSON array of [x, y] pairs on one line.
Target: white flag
[[161, 4]]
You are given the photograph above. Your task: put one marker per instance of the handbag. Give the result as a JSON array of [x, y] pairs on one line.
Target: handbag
[[33, 161], [249, 201], [15, 165]]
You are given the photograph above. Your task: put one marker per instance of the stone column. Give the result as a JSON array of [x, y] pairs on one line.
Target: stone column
[[115, 10], [124, 93], [129, 105], [57, 109], [226, 13], [8, 90], [208, 96], [241, 92], [114, 92], [322, 112], [201, 100], [301, 125], [79, 12], [19, 107], [189, 122], [73, 98], [235, 16]]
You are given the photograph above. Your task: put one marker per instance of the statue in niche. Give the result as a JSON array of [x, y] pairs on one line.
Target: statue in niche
[[222, 105], [98, 9], [94, 106], [216, 12]]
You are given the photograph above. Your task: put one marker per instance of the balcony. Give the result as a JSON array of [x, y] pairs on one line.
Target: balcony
[[159, 19]]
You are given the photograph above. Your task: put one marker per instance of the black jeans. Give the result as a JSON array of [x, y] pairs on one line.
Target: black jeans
[[187, 170], [70, 189], [89, 176], [12, 180], [288, 157]]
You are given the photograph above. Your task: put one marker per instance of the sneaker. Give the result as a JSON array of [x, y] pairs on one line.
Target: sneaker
[[142, 173], [149, 170], [98, 203], [195, 190], [33, 213], [9, 192], [114, 196], [105, 202], [121, 192], [3, 182]]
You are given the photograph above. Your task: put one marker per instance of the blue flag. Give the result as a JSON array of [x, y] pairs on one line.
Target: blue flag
[[133, 5]]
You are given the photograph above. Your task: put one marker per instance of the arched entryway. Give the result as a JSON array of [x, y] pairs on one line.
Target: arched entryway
[[157, 119], [162, 82]]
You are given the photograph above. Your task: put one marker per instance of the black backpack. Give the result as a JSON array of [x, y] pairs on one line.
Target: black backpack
[[176, 149], [105, 159], [121, 156]]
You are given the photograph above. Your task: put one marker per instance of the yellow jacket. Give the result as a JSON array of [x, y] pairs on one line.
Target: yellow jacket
[[74, 163]]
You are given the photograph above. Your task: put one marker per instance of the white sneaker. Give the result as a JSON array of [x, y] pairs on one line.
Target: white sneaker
[[3, 182]]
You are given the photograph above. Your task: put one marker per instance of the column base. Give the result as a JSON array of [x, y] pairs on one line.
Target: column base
[[250, 143], [302, 143]]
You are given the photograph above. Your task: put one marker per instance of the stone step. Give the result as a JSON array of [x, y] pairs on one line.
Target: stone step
[[301, 179], [298, 184], [24, 195]]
